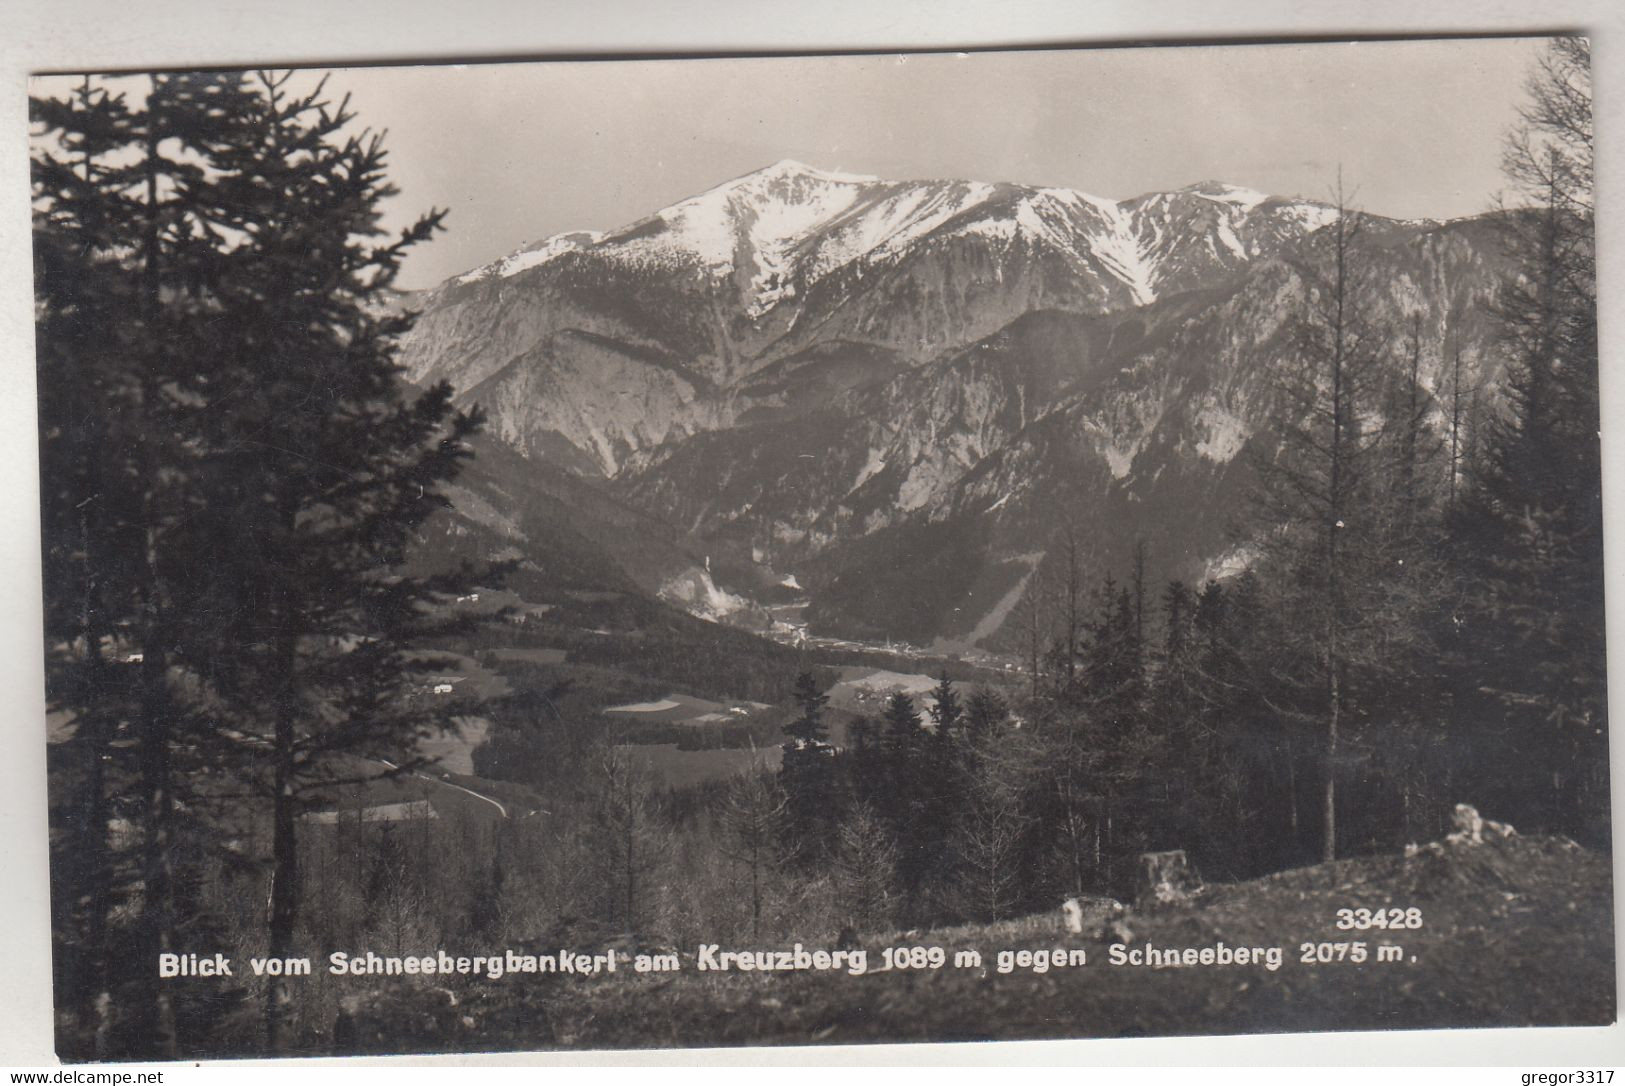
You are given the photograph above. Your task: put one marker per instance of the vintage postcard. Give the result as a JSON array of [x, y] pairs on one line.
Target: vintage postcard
[[822, 550]]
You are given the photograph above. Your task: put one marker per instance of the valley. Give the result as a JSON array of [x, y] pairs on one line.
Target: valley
[[865, 423]]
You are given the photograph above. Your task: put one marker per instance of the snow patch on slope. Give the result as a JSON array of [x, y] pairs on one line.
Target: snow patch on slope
[[1126, 252], [533, 256], [1234, 195], [1309, 217], [767, 213], [1228, 235], [890, 225], [871, 467], [1003, 229], [1120, 460], [791, 166]]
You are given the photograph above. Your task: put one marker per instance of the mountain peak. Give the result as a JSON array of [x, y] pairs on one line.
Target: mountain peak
[[789, 167], [1224, 191]]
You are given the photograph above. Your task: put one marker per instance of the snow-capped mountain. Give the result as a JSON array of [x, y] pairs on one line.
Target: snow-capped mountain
[[776, 232], [718, 287], [870, 381]]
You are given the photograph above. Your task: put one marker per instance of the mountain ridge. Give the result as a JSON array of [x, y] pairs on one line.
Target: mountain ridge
[[930, 203], [767, 265], [796, 362]]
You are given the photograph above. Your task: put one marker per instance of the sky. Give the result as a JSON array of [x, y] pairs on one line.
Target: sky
[[519, 152]]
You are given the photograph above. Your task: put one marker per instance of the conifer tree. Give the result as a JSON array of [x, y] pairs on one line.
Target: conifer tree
[[1179, 712], [1122, 745], [985, 713], [945, 710], [123, 252], [1179, 613], [807, 728], [808, 774], [901, 733], [1531, 517], [320, 467], [81, 294], [270, 470], [908, 802]]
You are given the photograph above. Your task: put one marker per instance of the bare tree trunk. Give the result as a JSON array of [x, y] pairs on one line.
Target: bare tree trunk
[[1139, 589], [157, 1014], [755, 889], [284, 905], [631, 867], [1035, 626], [1106, 828], [1073, 587], [1329, 843], [1292, 792], [96, 734], [284, 853], [1405, 808], [1455, 422], [1334, 523], [1077, 829], [95, 852]]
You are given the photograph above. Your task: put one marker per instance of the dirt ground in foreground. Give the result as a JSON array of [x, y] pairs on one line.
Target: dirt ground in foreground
[[1514, 932]]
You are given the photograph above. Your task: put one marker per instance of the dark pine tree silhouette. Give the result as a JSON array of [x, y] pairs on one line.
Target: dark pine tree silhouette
[[808, 775], [985, 713], [908, 799], [320, 468], [84, 298], [124, 250], [269, 471]]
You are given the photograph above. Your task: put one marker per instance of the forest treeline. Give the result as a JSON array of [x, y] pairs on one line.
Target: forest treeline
[[1421, 623], [234, 474]]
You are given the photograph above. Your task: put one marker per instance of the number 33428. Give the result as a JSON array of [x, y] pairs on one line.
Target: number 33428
[[1364, 919]]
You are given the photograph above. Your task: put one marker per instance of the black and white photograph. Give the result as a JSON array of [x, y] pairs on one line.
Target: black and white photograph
[[822, 550]]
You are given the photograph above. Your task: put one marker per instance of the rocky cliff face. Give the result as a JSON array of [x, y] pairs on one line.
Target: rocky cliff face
[[901, 391]]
